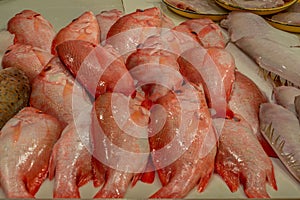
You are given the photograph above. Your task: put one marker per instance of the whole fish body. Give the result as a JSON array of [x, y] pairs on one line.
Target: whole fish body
[[70, 164], [120, 142], [26, 143], [184, 149], [241, 159], [14, 93]]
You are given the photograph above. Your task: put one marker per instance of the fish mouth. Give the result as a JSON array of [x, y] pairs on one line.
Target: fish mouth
[[277, 143]]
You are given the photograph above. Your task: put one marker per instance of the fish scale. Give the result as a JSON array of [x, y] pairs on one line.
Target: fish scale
[[14, 93]]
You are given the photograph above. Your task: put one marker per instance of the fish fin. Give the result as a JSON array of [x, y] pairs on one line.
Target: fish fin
[[204, 182], [52, 163], [135, 179], [98, 173], [231, 179], [149, 175], [271, 179], [164, 176], [33, 184]]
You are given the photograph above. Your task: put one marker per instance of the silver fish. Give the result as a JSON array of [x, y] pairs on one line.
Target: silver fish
[[281, 129]]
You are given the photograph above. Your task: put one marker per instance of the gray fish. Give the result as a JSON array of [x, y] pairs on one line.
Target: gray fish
[[285, 95], [281, 129], [297, 106], [275, 51], [14, 93]]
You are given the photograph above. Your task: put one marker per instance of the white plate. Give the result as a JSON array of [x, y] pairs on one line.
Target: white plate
[[61, 12]]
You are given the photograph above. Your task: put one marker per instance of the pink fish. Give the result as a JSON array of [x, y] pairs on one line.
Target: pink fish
[[70, 164], [205, 31], [27, 58], [85, 27], [99, 69], [245, 100], [105, 20], [184, 150], [26, 142], [133, 29], [156, 70], [31, 28], [214, 68], [54, 91], [120, 142], [241, 159]]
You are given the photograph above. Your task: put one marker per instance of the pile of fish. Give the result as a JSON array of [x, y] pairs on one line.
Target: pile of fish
[[116, 98]]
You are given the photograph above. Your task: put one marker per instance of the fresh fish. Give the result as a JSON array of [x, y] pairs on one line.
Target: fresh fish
[[292, 18], [26, 143], [29, 59], [248, 25], [214, 68], [205, 31], [6, 40], [245, 100], [85, 28], [99, 69], [248, 66], [297, 106], [285, 96], [275, 51], [294, 8], [31, 28], [268, 55], [241, 159], [54, 91], [281, 129], [174, 41], [120, 141], [70, 164], [256, 4], [203, 7], [105, 20], [184, 149], [133, 29], [156, 70], [14, 93]]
